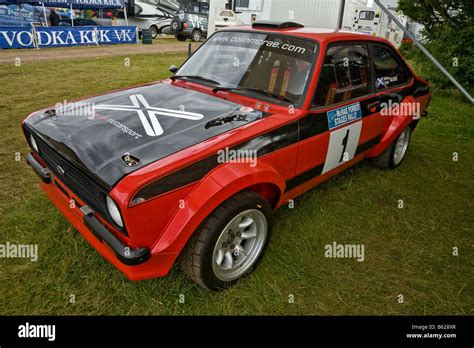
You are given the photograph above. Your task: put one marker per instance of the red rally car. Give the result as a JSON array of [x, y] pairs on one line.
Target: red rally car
[[189, 169]]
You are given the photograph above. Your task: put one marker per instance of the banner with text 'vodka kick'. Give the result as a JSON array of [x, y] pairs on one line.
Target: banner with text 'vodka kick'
[[24, 37]]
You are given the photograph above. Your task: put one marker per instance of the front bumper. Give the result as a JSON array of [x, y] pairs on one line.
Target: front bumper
[[135, 263], [125, 254], [44, 173]]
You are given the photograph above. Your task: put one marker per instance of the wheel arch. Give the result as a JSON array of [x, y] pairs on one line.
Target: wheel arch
[[394, 127], [217, 187], [269, 191], [156, 27]]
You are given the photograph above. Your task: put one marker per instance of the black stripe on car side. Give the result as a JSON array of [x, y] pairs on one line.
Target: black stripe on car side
[[304, 177], [317, 171], [307, 127], [368, 145], [275, 140], [264, 144], [179, 178]]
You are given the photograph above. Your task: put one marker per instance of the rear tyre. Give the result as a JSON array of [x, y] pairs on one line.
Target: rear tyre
[[181, 37], [394, 155], [176, 25], [196, 36], [230, 243]]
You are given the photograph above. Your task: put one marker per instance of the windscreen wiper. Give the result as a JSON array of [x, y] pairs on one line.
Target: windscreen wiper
[[195, 77], [257, 90]]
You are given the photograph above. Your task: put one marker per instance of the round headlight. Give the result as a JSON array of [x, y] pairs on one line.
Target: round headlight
[[33, 143], [114, 212]]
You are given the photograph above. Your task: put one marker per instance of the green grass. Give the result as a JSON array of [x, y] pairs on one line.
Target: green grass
[[407, 251]]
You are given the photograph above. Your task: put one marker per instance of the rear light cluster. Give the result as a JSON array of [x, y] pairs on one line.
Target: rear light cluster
[[185, 26]]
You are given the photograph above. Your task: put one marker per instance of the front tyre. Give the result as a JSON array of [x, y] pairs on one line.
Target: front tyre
[[154, 31], [230, 243], [393, 156]]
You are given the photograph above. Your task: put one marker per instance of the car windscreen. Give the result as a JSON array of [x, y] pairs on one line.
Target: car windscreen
[[277, 64]]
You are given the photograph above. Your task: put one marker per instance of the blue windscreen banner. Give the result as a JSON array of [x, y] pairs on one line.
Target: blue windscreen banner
[[41, 37]]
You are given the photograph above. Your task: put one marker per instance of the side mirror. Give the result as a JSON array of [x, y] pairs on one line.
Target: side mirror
[[173, 69]]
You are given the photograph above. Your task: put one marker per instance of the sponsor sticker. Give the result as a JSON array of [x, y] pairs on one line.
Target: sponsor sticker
[[247, 109], [344, 115], [383, 82]]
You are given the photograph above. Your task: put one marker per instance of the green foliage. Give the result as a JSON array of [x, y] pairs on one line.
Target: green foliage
[[449, 32], [454, 50], [435, 14]]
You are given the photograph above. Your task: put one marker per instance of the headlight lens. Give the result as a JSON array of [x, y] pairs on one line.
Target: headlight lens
[[114, 212], [33, 143]]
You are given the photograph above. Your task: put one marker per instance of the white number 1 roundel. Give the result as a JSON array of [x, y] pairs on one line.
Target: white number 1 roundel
[[342, 146]]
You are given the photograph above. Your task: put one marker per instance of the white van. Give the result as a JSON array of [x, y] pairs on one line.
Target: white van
[[373, 21]]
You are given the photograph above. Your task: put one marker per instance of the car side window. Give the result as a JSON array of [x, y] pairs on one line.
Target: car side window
[[345, 75], [389, 71]]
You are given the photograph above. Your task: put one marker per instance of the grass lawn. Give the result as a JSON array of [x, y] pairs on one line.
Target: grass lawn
[[408, 251]]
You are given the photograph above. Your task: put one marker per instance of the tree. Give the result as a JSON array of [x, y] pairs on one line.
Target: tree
[[435, 14], [449, 33]]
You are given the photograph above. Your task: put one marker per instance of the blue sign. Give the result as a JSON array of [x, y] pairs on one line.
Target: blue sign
[[10, 15], [22, 37], [81, 3], [344, 115], [16, 37]]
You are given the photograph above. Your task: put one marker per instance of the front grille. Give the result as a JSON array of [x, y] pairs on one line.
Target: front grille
[[84, 187]]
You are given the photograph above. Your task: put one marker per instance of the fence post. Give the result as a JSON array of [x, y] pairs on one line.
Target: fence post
[[33, 33], [96, 35]]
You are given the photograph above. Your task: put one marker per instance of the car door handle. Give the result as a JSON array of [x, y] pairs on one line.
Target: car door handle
[[373, 106]]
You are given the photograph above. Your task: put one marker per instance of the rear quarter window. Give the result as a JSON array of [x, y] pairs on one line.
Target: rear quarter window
[[390, 70]]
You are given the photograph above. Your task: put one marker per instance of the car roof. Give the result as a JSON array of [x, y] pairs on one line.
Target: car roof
[[321, 35]]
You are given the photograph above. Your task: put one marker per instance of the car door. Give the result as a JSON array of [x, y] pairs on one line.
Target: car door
[[342, 123]]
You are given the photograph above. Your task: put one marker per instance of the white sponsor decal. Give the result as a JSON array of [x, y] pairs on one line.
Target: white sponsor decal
[[196, 21], [142, 108], [342, 146]]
